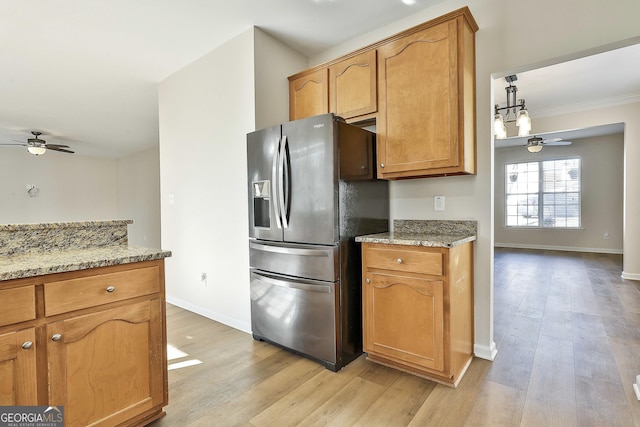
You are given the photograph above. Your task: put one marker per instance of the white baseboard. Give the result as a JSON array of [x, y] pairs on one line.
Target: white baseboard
[[559, 248], [630, 276], [486, 352], [209, 314]]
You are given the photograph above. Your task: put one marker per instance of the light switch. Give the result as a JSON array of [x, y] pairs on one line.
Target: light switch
[[172, 198], [438, 203]]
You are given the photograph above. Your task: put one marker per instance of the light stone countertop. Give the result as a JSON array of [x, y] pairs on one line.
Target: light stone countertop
[[417, 239], [29, 250], [430, 233], [59, 261]]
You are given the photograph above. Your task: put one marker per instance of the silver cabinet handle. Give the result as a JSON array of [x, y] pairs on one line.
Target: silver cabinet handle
[[111, 289], [56, 337], [367, 280], [27, 345], [400, 261], [381, 165]]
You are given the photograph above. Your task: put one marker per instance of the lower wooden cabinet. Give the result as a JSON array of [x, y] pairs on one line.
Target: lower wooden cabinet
[[418, 309], [18, 385], [93, 341], [107, 367]]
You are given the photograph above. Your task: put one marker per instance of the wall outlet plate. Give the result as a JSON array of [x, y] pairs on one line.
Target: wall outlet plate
[[438, 203]]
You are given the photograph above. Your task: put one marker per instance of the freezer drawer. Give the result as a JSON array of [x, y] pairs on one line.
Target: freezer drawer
[[308, 261], [300, 315]]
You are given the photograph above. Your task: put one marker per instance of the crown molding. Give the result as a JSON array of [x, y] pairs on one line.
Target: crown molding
[[586, 106]]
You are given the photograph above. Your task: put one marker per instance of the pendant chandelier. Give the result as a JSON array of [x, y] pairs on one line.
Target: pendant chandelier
[[514, 111]]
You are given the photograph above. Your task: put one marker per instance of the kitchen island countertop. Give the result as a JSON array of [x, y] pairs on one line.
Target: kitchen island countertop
[[61, 261], [28, 250]]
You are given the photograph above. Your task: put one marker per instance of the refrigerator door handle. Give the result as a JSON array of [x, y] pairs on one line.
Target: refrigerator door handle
[[283, 187], [326, 289], [275, 180], [291, 251]]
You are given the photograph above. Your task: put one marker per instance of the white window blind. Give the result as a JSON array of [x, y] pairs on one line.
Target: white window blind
[[543, 194]]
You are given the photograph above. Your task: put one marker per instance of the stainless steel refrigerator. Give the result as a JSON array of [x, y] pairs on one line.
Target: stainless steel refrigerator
[[312, 189]]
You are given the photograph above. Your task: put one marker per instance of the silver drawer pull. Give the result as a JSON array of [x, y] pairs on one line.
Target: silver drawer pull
[[400, 261], [111, 289], [56, 337], [367, 280], [381, 165], [27, 345]]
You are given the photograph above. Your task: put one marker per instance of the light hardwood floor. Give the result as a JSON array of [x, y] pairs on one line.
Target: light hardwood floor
[[567, 329]]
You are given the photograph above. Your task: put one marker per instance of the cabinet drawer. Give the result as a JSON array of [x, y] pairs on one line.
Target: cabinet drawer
[[405, 260], [18, 305], [98, 289]]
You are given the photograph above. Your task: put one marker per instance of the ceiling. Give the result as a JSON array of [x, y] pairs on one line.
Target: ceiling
[[578, 85], [85, 73]]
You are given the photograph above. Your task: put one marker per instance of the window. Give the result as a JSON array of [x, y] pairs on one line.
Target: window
[[543, 194]]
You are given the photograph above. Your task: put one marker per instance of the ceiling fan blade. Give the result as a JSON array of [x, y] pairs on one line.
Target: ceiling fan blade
[[54, 146], [62, 150], [559, 142], [13, 143]]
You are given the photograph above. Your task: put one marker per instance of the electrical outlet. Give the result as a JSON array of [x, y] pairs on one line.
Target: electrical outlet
[[606, 236], [438, 203], [203, 278]]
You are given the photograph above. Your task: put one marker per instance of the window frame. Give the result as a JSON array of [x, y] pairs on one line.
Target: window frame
[[540, 195]]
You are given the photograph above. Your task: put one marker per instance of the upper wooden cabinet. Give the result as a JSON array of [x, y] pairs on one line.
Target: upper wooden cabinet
[[353, 86], [418, 85], [426, 118], [308, 94]]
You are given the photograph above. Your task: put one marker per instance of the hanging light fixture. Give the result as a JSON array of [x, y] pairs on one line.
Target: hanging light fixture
[[514, 111]]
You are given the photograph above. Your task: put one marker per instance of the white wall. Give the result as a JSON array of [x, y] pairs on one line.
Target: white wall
[[512, 35], [138, 196], [273, 63], [71, 187], [602, 163], [206, 110]]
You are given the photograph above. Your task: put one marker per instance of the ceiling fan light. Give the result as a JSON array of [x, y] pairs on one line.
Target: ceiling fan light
[[35, 150], [534, 148]]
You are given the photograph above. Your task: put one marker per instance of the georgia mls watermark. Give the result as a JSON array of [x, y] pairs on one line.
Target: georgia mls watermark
[[31, 416]]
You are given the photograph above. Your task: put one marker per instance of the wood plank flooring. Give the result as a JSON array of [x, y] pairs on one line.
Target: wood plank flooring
[[567, 329]]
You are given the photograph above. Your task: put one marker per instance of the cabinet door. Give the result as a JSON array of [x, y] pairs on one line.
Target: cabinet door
[[107, 367], [18, 368], [403, 318], [353, 86], [418, 113], [309, 95]]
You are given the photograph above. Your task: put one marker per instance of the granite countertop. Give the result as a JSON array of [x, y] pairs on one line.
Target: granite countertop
[[59, 261], [28, 250], [430, 233]]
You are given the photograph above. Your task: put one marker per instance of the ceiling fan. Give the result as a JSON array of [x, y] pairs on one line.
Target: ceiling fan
[[38, 146], [535, 144]]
